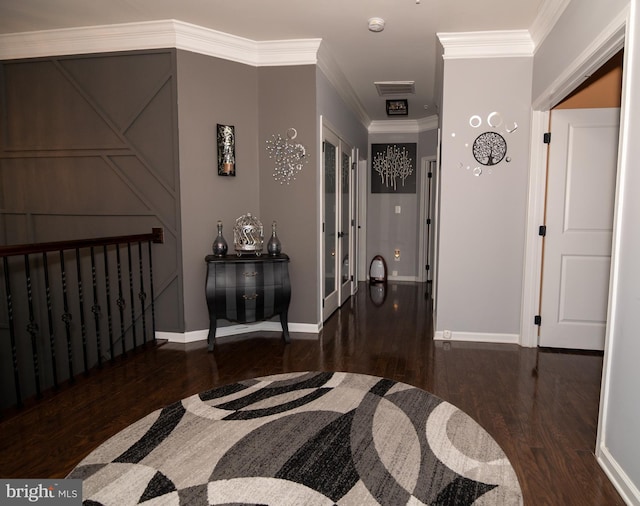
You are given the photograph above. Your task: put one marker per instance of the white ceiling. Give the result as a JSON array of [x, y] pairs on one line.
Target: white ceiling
[[404, 51]]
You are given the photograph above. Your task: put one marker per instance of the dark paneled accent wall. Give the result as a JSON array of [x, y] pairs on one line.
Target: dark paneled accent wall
[[89, 148]]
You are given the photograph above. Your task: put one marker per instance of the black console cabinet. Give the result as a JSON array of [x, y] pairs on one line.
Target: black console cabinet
[[247, 289]]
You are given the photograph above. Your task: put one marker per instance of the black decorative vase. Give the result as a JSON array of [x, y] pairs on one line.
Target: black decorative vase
[[220, 246], [274, 247]]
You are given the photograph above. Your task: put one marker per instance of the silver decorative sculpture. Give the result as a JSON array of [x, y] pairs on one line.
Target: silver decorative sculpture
[[289, 157], [248, 235]]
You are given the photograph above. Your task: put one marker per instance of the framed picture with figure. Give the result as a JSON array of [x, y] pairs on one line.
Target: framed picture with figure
[[226, 150]]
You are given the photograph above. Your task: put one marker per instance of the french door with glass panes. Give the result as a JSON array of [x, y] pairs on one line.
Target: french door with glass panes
[[337, 222]]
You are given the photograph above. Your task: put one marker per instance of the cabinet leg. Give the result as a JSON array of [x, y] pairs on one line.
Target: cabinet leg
[[285, 327], [212, 332]]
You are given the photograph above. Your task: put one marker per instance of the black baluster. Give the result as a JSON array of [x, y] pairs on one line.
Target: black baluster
[[12, 333], [153, 309], [83, 327], [131, 297], [142, 295], [66, 316], [32, 327], [108, 292], [52, 337], [121, 302], [95, 308]]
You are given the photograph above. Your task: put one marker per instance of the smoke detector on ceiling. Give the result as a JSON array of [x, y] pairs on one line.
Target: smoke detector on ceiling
[[376, 24]]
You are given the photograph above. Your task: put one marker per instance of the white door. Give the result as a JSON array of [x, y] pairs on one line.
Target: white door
[[346, 234], [579, 218], [338, 225]]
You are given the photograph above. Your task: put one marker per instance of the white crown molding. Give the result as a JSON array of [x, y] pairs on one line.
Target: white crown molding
[[489, 44], [336, 77], [404, 126], [158, 35], [548, 15]]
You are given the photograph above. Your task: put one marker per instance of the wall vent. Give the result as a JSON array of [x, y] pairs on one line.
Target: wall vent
[[391, 88]]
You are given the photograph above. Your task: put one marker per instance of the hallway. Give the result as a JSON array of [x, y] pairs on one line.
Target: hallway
[[540, 406]]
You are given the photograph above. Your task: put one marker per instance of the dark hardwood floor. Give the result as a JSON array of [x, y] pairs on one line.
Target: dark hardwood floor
[[540, 406]]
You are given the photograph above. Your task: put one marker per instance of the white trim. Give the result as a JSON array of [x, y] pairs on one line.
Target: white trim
[[183, 337], [533, 242], [232, 330], [158, 35], [425, 165], [487, 44], [621, 481], [408, 126], [616, 474], [478, 337], [603, 47], [413, 279], [331, 70], [547, 17]]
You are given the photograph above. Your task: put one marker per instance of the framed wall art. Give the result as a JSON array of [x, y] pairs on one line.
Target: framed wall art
[[393, 168], [226, 150]]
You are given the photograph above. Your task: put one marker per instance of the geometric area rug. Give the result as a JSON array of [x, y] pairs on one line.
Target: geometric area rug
[[311, 438]]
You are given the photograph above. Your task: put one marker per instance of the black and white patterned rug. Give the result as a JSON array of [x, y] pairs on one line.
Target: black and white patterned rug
[[313, 438]]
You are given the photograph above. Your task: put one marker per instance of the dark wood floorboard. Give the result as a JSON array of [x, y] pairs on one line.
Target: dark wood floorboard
[[540, 406]]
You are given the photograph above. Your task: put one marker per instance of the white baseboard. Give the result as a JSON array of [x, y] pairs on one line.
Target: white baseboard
[[412, 279], [477, 337], [625, 487], [232, 330]]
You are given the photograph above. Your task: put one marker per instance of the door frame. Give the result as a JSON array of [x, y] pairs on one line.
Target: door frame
[[603, 49], [426, 198], [353, 246]]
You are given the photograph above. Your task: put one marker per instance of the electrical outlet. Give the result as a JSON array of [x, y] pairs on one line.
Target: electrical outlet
[[396, 254], [394, 273], [398, 209], [446, 334]]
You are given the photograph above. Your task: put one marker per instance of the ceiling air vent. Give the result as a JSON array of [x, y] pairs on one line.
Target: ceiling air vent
[[391, 88]]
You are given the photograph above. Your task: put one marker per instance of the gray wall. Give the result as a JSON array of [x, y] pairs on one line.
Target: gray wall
[[387, 230], [88, 149], [334, 110], [619, 437], [569, 39], [213, 91], [287, 97], [259, 103], [482, 218]]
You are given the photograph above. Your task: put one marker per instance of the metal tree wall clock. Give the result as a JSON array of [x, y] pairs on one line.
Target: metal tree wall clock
[[489, 148]]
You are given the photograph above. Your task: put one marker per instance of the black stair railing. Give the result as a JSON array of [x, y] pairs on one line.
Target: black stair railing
[[53, 328]]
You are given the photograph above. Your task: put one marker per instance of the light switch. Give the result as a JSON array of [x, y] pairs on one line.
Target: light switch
[[398, 209]]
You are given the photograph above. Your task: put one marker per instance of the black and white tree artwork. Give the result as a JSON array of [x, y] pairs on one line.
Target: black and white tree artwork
[[393, 168], [489, 148]]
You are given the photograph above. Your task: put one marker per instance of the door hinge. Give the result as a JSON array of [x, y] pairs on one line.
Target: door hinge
[[428, 221], [353, 165], [546, 138], [352, 278], [322, 303], [323, 146], [353, 223], [537, 320], [542, 231], [427, 267], [429, 174]]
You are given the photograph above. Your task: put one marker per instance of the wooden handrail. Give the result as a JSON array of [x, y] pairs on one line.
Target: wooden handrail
[[156, 236]]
